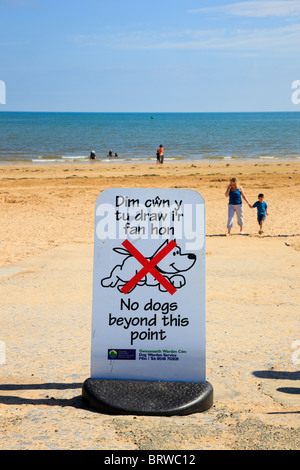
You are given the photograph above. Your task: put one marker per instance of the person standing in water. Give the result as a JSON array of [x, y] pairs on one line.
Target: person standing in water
[[235, 205], [160, 154]]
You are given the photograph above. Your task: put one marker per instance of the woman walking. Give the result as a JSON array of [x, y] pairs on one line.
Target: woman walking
[[235, 205]]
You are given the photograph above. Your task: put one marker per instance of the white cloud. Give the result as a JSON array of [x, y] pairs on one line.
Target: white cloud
[[281, 39], [261, 8], [284, 38]]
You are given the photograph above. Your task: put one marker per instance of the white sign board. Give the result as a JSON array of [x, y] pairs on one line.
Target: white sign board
[[149, 286]]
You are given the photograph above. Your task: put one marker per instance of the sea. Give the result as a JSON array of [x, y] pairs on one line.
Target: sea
[[43, 137]]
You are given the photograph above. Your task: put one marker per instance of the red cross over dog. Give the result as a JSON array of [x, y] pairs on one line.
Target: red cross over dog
[[171, 267]]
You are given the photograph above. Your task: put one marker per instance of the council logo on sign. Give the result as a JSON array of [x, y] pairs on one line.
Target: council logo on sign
[[122, 354], [112, 354]]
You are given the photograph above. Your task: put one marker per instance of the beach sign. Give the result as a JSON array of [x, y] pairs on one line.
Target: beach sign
[[148, 318]]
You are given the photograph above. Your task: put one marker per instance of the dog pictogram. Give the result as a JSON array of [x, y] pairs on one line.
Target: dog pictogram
[[170, 267], [149, 267]]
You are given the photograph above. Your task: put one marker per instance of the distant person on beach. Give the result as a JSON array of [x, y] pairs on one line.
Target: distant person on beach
[[262, 211], [160, 154], [93, 155], [111, 154], [235, 205]]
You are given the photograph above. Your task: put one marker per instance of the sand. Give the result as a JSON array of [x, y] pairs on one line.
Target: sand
[[253, 333]]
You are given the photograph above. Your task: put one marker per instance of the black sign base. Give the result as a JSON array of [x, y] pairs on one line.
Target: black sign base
[[134, 397]]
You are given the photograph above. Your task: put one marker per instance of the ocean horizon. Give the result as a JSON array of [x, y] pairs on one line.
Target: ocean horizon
[[60, 137]]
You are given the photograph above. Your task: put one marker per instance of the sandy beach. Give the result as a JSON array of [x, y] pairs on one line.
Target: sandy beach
[[253, 330]]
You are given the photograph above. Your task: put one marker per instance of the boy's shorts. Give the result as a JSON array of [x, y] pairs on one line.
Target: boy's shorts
[[261, 218]]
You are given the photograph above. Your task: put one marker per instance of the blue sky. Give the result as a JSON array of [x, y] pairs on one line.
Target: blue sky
[[158, 56]]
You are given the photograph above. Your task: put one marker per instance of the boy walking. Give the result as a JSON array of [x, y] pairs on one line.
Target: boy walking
[[262, 211]]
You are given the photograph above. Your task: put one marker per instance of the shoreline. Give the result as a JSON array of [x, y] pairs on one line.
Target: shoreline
[[148, 161]]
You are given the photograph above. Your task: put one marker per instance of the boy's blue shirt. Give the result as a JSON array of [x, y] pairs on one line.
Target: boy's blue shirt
[[261, 207]]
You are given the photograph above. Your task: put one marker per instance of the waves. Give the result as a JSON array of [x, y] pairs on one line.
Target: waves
[[69, 137], [86, 159], [83, 159]]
